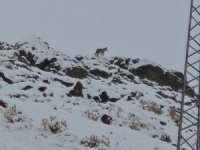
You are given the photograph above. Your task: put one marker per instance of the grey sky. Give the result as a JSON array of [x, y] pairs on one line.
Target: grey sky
[[151, 29]]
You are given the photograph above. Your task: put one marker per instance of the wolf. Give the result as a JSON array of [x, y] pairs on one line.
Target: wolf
[[101, 51]]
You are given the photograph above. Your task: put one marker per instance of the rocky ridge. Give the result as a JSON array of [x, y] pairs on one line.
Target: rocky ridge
[[52, 95]]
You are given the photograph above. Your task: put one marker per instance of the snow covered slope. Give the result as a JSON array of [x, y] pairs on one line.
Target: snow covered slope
[[53, 101]]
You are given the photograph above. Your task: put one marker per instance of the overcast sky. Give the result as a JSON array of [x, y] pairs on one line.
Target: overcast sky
[[151, 29]]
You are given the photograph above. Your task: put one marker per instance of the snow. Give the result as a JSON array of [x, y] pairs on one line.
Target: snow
[[33, 106]]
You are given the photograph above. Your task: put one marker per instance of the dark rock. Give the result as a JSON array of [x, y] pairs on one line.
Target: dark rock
[[48, 64], [148, 83], [76, 72], [155, 73], [112, 61], [29, 57], [120, 62], [133, 94], [188, 103], [155, 136], [100, 73], [135, 61], [3, 104], [28, 87], [129, 98], [44, 94], [166, 96], [136, 94], [79, 58], [24, 66], [96, 98], [129, 76], [127, 61], [67, 84], [19, 95], [36, 77], [42, 89], [55, 128], [86, 67], [106, 119], [162, 106], [33, 48], [77, 91], [5, 78], [113, 99], [165, 138], [51, 94], [46, 81], [5, 46], [117, 80], [89, 96], [179, 74], [163, 123], [104, 97]]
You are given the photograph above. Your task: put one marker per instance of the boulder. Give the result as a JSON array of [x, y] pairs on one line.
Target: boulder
[[77, 91], [48, 64], [100, 73], [67, 84], [5, 78], [76, 72], [5, 46], [29, 58], [3, 104], [163, 78], [122, 63], [104, 97], [96, 98], [42, 88], [106, 119], [28, 87]]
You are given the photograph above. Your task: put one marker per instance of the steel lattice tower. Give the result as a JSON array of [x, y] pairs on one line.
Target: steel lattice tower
[[189, 126]]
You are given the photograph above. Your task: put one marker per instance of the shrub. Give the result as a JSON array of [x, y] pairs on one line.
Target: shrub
[[94, 141], [173, 114], [165, 138], [94, 115], [151, 106], [13, 115], [54, 125], [136, 124]]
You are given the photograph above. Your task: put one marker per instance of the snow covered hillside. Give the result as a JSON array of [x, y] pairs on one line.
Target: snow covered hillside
[[50, 100]]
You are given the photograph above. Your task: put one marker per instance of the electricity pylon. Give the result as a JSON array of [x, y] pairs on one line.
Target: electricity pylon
[[189, 123]]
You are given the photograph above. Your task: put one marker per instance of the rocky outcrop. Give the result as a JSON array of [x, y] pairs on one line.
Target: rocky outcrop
[[9, 81], [48, 64], [5, 46], [76, 72], [121, 70], [67, 84], [77, 91], [30, 59], [163, 78], [3, 104], [26, 57], [104, 97], [122, 63], [100, 73]]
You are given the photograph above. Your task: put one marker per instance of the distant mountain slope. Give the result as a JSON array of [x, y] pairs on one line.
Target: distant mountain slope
[[53, 101]]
